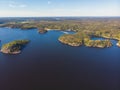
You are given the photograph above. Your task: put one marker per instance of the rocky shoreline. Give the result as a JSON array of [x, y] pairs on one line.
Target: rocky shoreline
[[14, 47], [82, 39]]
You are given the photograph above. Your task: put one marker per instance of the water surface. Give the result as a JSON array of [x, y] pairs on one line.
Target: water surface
[[47, 64]]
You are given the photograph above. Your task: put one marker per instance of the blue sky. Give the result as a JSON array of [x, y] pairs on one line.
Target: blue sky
[[31, 8]]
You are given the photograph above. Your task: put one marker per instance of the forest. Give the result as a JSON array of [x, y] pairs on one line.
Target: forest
[[84, 28]]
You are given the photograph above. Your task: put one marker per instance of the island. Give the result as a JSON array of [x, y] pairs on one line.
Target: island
[[81, 38], [14, 47], [84, 28], [42, 30], [73, 39]]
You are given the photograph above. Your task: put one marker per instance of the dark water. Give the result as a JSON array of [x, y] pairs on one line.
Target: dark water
[[47, 64]]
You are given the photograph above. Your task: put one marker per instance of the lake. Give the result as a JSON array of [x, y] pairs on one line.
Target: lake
[[45, 63]]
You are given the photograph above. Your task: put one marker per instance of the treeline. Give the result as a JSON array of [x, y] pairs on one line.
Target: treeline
[[86, 25], [108, 28]]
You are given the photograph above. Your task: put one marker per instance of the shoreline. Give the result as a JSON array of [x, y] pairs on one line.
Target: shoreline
[[13, 53], [118, 44]]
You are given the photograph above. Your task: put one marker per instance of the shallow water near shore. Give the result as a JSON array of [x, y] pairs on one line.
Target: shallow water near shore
[[46, 63]]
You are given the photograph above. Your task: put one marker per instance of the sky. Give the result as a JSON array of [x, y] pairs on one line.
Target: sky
[[43, 8]]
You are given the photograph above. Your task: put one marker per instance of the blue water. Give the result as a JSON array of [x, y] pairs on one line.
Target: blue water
[[114, 42], [47, 64]]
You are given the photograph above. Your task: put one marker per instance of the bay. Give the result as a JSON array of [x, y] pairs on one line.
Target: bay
[[45, 63]]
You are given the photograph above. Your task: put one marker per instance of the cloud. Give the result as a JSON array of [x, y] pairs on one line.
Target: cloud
[[13, 4], [22, 5], [49, 2]]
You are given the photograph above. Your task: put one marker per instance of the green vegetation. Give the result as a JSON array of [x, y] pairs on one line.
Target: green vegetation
[[85, 28], [83, 39], [73, 39], [14, 47], [42, 30], [98, 43]]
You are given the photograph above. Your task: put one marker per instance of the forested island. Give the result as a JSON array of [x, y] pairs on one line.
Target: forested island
[[14, 47], [84, 28], [79, 39]]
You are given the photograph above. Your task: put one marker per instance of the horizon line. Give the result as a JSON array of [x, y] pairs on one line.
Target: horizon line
[[51, 16]]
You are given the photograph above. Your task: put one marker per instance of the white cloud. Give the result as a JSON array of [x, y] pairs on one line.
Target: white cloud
[[49, 2], [22, 5], [13, 4]]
